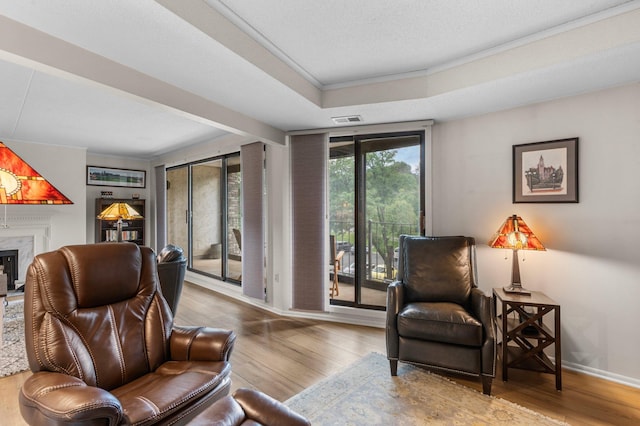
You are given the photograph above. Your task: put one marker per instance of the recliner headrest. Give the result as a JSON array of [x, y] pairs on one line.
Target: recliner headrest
[[438, 269], [109, 272], [170, 253]]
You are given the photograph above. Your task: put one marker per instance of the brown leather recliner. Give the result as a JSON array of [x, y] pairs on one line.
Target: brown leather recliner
[[249, 407], [436, 315], [103, 348]]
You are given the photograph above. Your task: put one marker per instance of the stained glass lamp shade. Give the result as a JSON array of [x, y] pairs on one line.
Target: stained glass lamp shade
[[119, 212], [21, 184], [514, 234]]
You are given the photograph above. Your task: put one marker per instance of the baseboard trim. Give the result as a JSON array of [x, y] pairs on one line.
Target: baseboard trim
[[602, 374]]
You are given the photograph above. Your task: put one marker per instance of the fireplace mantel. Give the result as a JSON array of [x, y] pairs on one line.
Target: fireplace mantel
[[30, 235]]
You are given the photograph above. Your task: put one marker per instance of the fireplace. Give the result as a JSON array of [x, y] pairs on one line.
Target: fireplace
[[28, 236], [9, 263]]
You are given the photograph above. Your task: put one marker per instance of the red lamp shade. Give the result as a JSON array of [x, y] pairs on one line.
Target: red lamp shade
[[514, 234], [21, 184]]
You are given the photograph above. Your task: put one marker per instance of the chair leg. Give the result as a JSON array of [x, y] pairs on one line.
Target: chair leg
[[334, 286], [486, 385], [393, 363]]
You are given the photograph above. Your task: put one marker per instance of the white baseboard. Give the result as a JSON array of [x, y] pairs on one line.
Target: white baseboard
[[602, 374]]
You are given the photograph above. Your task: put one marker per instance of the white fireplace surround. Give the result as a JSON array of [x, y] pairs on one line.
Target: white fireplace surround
[[30, 235]]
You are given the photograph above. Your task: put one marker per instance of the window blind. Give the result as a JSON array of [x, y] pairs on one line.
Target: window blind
[[308, 199], [252, 171]]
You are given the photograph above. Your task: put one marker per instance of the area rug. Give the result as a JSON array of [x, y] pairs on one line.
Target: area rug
[[13, 358], [366, 394]]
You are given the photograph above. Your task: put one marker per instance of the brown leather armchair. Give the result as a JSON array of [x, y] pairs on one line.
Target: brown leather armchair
[[436, 315], [103, 348]]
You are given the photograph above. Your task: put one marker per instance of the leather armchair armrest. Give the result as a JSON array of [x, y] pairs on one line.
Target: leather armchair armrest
[[482, 308], [265, 410], [201, 343], [395, 301], [48, 398]]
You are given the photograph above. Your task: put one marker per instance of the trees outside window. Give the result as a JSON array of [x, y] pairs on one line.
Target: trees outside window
[[376, 194]]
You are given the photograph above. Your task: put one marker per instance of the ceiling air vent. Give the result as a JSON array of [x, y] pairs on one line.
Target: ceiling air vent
[[347, 119]]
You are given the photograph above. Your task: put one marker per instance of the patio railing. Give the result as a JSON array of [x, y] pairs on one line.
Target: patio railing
[[380, 245]]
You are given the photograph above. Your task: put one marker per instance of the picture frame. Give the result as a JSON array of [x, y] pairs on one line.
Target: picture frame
[[546, 172], [107, 176]]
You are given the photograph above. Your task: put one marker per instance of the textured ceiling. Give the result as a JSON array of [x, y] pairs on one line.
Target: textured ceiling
[[147, 77], [337, 42]]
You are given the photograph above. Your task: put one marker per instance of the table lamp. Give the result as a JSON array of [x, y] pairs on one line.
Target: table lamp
[[119, 211], [514, 234]]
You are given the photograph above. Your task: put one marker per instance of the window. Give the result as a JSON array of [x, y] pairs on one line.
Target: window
[[203, 215], [376, 193]]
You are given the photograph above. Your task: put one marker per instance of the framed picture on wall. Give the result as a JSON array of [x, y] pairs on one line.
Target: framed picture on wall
[[546, 172], [106, 176]]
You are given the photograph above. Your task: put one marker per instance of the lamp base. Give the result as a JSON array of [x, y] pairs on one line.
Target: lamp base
[[517, 289]]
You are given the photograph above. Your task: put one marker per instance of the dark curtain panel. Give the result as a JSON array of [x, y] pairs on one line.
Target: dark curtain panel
[[252, 170], [308, 198]]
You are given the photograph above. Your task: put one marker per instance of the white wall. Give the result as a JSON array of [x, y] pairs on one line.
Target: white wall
[[93, 192], [65, 169], [592, 263]]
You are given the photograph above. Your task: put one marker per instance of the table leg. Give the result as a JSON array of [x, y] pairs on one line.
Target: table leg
[[505, 372], [558, 350]]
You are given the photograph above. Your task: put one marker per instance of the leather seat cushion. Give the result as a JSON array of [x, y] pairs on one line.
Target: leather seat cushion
[[170, 388], [440, 322]]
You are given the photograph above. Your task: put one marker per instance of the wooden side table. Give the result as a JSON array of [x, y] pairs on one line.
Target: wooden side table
[[528, 335]]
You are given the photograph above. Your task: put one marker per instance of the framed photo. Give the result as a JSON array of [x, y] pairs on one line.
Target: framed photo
[[105, 176], [546, 172]]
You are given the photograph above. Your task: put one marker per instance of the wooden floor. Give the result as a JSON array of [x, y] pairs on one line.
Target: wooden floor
[[282, 356]]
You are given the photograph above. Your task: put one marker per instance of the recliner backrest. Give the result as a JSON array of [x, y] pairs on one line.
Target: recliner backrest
[[93, 311], [171, 253], [437, 269]]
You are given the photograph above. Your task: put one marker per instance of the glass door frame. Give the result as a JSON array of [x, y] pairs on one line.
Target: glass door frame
[[386, 141], [223, 200]]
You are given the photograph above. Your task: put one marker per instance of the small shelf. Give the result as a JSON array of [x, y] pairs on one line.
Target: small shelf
[[513, 323], [516, 358]]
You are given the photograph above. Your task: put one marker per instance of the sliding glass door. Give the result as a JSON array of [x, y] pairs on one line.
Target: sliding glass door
[[207, 187], [376, 187], [203, 211]]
